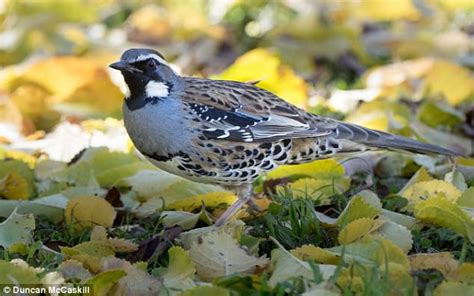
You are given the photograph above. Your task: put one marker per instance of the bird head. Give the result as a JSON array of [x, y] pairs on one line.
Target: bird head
[[146, 73]]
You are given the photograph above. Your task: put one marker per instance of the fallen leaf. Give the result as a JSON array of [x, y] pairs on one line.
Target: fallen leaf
[[438, 114], [263, 65], [74, 270], [211, 199], [319, 190], [185, 220], [426, 189], [379, 11], [17, 229], [358, 228], [452, 81], [443, 261], [466, 199], [88, 211], [381, 115], [320, 255], [179, 275], [443, 212], [453, 288], [397, 234], [357, 208], [14, 186], [16, 180], [89, 253], [78, 81], [51, 207], [12, 273], [286, 266], [206, 290], [218, 253], [372, 250], [326, 168], [102, 282]]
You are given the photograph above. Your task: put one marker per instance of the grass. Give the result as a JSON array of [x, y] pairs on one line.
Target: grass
[[292, 222], [434, 240]]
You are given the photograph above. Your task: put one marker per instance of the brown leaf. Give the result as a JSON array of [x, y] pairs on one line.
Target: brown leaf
[[113, 197], [156, 245]]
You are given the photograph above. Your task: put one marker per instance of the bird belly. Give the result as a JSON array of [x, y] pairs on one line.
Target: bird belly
[[174, 166], [157, 129]]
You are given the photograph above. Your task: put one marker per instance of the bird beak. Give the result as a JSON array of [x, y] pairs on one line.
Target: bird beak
[[123, 66]]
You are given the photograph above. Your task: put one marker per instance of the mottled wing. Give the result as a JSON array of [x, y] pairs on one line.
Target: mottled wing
[[236, 111]]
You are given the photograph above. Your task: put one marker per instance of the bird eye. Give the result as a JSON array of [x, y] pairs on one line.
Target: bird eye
[[151, 64]]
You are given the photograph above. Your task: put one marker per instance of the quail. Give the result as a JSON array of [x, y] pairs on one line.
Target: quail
[[228, 132]]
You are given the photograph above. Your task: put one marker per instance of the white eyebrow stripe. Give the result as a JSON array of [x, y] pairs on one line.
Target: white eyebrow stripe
[[144, 57]]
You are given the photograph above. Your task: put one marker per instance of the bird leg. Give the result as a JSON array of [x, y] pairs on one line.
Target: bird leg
[[244, 194]]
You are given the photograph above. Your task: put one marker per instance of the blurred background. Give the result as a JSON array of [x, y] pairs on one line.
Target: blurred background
[[402, 66]]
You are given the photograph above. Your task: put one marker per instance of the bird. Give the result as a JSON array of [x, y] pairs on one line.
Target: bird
[[229, 133]]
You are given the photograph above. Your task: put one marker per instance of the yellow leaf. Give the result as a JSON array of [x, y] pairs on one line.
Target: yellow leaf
[[103, 282], [372, 250], [452, 81], [456, 4], [98, 233], [88, 211], [316, 189], [348, 280], [14, 186], [180, 272], [327, 168], [440, 211], [118, 245], [437, 77], [380, 114], [19, 248], [443, 261], [206, 290], [356, 229], [353, 277], [89, 253], [453, 288], [387, 250], [420, 176], [467, 198], [400, 279], [262, 65], [80, 81], [311, 252], [427, 189], [381, 10], [17, 272], [22, 156], [465, 273], [465, 161], [211, 199], [16, 180], [357, 208], [11, 115]]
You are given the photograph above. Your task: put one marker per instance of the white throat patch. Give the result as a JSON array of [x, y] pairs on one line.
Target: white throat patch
[[156, 89]]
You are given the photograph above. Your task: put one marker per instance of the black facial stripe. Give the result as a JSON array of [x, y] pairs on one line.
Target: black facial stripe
[[137, 102], [142, 65]]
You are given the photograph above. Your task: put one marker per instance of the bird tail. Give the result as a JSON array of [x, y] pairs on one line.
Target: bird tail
[[378, 139]]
